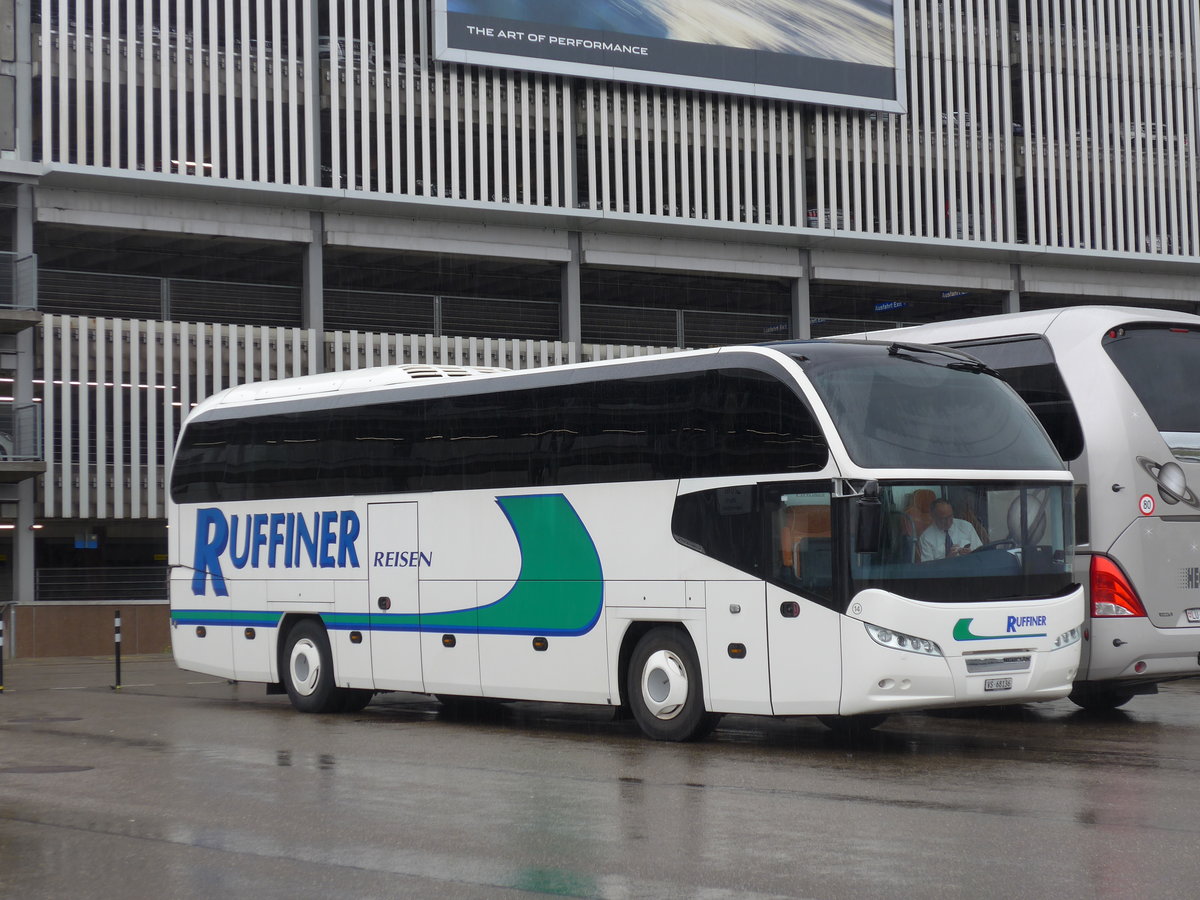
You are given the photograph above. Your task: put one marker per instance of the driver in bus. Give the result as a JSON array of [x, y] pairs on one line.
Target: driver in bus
[[947, 536]]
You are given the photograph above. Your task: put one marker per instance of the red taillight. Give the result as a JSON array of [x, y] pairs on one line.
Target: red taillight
[[1112, 594]]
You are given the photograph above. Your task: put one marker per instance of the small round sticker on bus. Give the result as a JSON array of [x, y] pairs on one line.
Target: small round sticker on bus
[[1146, 505]]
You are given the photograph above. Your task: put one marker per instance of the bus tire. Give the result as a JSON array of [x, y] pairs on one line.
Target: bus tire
[[664, 687], [308, 669], [355, 699], [1095, 698], [852, 727]]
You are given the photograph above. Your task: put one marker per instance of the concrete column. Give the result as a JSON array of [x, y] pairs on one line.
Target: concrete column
[[313, 290], [1012, 300], [23, 543], [571, 304], [802, 304]]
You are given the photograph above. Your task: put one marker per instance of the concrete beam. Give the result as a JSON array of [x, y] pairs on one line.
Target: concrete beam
[[425, 236], [94, 209], [1110, 285], [625, 251], [910, 271]]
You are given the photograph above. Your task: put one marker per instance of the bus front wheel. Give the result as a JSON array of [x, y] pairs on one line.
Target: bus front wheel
[[664, 688], [308, 670]]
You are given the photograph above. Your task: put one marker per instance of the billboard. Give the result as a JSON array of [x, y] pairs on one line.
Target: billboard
[[837, 52]]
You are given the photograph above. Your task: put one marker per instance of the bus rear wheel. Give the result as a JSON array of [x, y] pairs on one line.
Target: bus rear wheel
[[308, 670], [664, 688], [1096, 698]]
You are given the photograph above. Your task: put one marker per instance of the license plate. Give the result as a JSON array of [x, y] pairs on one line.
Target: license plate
[[1193, 615], [997, 684]]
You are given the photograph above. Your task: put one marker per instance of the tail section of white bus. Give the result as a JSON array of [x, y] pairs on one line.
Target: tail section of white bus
[[1115, 389], [688, 536]]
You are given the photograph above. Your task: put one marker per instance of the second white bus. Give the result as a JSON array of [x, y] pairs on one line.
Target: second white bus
[[1115, 387], [683, 536]]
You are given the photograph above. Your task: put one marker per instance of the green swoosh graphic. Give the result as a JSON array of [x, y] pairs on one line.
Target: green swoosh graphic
[[962, 632], [560, 588]]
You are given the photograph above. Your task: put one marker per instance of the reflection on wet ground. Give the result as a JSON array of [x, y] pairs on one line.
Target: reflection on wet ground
[[191, 787]]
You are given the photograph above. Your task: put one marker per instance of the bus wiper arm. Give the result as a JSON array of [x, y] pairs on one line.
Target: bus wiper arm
[[977, 367], [906, 351]]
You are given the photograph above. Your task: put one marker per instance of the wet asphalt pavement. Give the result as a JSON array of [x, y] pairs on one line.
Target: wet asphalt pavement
[[181, 785]]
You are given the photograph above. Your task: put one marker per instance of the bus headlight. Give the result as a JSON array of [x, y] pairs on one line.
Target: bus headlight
[[897, 640], [1067, 638]]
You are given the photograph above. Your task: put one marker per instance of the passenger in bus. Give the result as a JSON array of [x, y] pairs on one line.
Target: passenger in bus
[[947, 536]]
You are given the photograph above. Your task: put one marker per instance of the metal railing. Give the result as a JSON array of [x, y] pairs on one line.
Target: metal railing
[[20, 433], [108, 584], [18, 281]]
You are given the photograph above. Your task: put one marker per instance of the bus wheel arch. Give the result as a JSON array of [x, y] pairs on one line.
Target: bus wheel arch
[[306, 665], [662, 682]]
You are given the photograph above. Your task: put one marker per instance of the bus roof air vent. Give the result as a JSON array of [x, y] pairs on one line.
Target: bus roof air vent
[[416, 372]]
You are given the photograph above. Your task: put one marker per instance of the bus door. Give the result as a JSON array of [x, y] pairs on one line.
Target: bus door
[[393, 569], [803, 634]]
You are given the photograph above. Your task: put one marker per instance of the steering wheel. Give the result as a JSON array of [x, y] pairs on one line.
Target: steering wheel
[[1003, 544]]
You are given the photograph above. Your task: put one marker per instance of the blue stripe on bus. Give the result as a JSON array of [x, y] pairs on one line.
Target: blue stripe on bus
[[354, 622]]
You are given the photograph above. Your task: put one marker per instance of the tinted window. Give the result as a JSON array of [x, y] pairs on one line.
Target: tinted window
[[781, 532], [1160, 363], [698, 424], [911, 407], [1028, 365]]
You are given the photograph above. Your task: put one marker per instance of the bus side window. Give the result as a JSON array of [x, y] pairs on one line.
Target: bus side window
[[804, 538], [767, 531], [724, 524], [1027, 363]]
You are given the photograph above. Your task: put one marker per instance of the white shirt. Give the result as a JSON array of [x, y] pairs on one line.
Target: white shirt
[[933, 539]]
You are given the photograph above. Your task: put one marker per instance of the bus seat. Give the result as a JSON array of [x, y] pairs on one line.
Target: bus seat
[[968, 515], [815, 556], [919, 511], [964, 508], [900, 538], [800, 522]]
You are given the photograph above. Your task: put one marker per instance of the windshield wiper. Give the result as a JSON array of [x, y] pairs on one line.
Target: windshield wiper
[[906, 351], [977, 367]]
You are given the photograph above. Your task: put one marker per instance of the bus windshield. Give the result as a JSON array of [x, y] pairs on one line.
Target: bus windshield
[[1159, 362], [908, 406], [957, 542]]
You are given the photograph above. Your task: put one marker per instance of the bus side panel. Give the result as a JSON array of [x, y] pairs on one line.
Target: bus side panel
[[738, 663], [351, 661], [198, 640], [630, 526], [254, 640], [450, 643], [570, 668], [806, 659]]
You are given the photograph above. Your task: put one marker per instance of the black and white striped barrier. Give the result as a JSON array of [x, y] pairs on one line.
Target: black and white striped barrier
[[117, 646]]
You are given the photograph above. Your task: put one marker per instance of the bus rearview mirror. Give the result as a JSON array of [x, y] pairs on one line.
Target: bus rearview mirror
[[868, 529]]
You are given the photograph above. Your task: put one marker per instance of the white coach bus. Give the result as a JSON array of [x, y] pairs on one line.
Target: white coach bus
[[1115, 388], [681, 536]]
